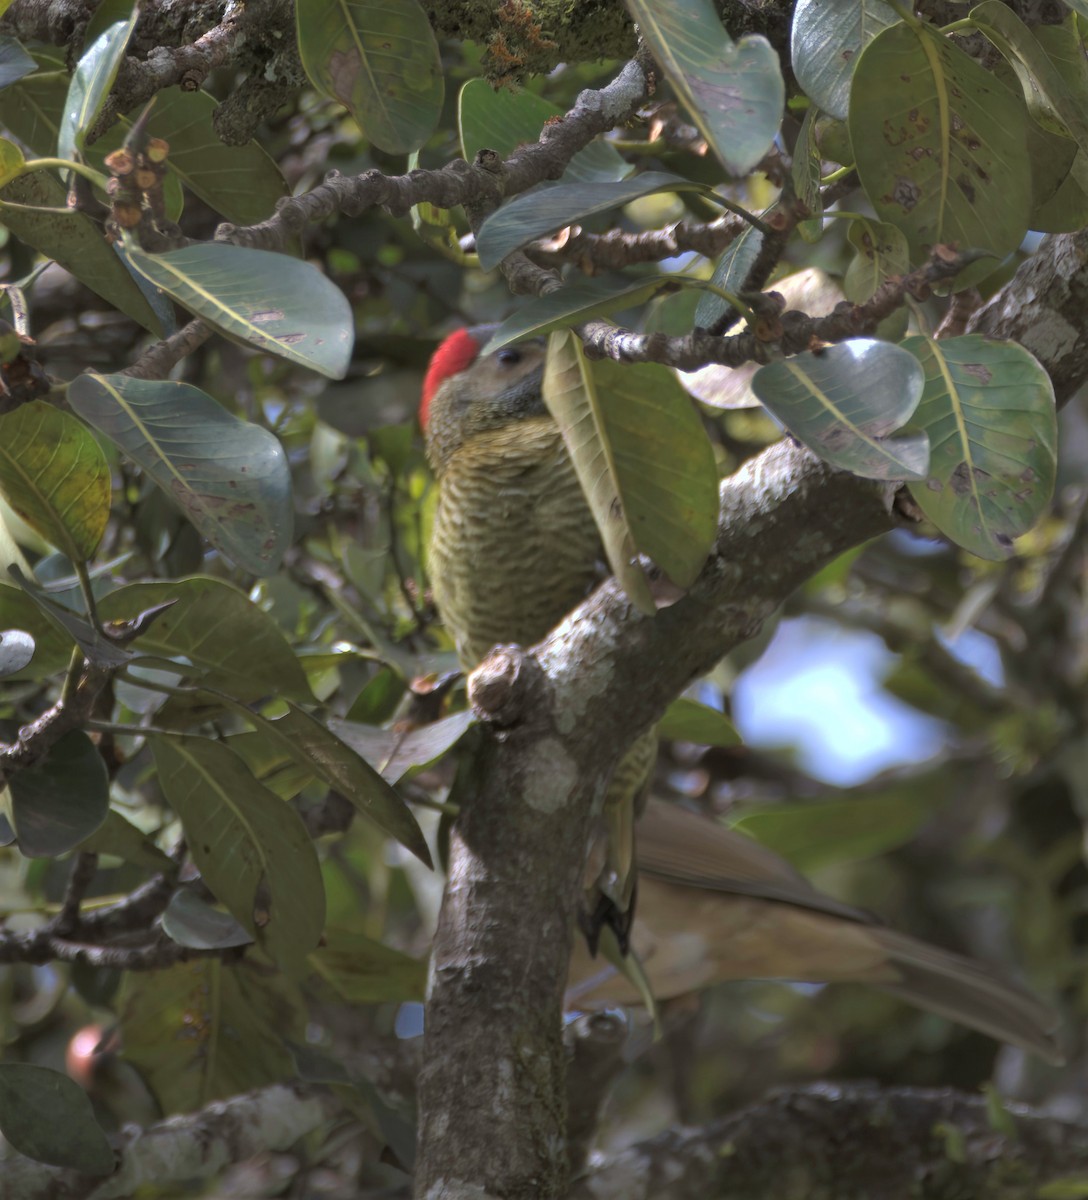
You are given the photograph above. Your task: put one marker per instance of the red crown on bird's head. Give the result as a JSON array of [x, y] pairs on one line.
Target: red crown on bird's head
[[456, 353]]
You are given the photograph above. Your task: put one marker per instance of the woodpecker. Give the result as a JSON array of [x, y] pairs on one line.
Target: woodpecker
[[515, 547]]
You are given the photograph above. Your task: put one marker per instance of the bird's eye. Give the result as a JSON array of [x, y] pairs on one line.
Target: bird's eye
[[509, 357]]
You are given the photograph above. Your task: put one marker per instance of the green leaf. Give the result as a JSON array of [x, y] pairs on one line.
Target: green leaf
[[90, 85], [846, 401], [502, 119], [734, 91], [689, 721], [231, 643], [59, 801], [74, 241], [31, 109], [14, 62], [191, 921], [281, 305], [806, 174], [664, 465], [230, 478], [825, 40], [573, 304], [730, 272], [354, 969], [553, 206], [393, 753], [117, 836], [380, 61], [48, 1117], [881, 251], [940, 143], [1071, 1187], [988, 408], [16, 651], [52, 643], [95, 646], [203, 1031], [241, 182], [570, 393], [326, 756], [55, 476], [252, 849]]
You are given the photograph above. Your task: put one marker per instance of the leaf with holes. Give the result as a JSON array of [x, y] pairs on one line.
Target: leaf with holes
[[940, 143], [229, 477], [846, 403], [825, 40], [552, 206], [55, 476], [380, 61], [988, 408], [278, 304], [503, 120], [252, 849], [91, 83], [734, 91]]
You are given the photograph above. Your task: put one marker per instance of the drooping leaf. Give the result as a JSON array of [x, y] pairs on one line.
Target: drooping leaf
[[354, 969], [312, 745], [117, 836], [48, 1117], [203, 1031], [54, 475], [16, 651], [734, 91], [940, 143], [14, 62], [502, 119], [231, 643], [825, 40], [91, 83], [689, 721], [230, 477], [571, 396], [393, 753], [988, 408], [74, 241], [573, 304], [252, 848], [730, 272], [552, 206], [846, 402], [278, 304], [59, 801], [380, 61]]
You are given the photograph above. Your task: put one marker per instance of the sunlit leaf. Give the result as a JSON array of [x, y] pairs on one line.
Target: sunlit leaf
[[16, 650], [380, 61], [278, 304], [502, 119], [231, 642], [48, 1117], [988, 408], [229, 477], [825, 40], [846, 402], [252, 848], [552, 206], [91, 83], [940, 143], [55, 477], [733, 90], [689, 721]]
